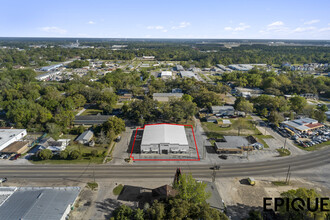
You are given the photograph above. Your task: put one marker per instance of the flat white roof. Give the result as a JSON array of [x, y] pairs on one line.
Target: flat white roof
[[166, 73], [164, 133], [8, 134]]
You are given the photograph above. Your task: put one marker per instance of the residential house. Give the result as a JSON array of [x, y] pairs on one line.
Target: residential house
[[85, 137], [223, 110]]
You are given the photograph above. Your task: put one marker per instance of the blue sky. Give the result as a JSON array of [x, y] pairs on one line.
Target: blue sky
[[247, 19]]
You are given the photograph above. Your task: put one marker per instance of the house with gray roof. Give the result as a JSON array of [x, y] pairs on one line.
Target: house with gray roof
[[165, 97], [85, 137], [223, 110]]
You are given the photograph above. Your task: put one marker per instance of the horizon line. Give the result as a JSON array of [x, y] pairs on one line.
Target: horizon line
[[158, 38]]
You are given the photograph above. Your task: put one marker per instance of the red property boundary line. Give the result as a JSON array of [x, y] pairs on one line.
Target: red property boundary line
[[165, 159]]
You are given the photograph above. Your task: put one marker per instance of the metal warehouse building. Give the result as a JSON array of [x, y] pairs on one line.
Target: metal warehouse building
[[164, 139]]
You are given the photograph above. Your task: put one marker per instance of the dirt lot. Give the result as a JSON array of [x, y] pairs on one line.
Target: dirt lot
[[240, 197]]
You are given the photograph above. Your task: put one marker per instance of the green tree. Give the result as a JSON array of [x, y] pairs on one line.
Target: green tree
[[187, 97], [75, 154], [123, 213], [44, 154], [94, 153], [157, 211], [304, 194], [298, 103], [54, 130], [254, 215], [64, 118], [244, 106], [138, 214], [64, 154], [191, 190], [275, 117], [264, 112], [114, 124]]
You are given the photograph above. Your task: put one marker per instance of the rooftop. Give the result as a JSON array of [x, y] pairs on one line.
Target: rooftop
[[232, 142], [38, 203], [303, 124], [214, 200], [166, 73], [85, 136], [188, 74], [179, 95], [91, 119], [218, 108], [14, 147], [164, 133], [8, 134]]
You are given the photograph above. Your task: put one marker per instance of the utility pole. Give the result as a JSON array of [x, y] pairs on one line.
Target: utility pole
[[287, 180], [204, 150], [213, 175], [284, 143]]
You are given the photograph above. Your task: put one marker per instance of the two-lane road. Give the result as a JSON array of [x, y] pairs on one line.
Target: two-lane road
[[265, 168]]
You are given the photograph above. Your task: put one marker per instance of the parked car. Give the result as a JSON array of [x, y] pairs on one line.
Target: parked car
[[118, 139], [15, 157], [216, 167], [2, 180], [251, 181], [224, 157]]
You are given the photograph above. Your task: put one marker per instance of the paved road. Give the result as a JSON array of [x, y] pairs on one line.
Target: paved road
[[77, 172]]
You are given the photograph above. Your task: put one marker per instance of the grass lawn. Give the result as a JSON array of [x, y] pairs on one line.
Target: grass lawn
[[279, 183], [117, 190], [261, 137], [91, 112], [315, 147], [283, 152], [84, 159], [92, 185], [213, 130]]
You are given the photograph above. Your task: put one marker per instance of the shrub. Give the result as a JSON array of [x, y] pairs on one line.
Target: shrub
[[44, 154], [64, 154], [74, 155], [117, 190], [94, 153]]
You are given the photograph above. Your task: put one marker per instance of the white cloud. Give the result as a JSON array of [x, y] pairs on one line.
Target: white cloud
[[312, 22], [277, 26], [155, 27], [303, 29], [54, 30], [276, 23], [324, 29], [241, 27], [183, 24], [91, 22]]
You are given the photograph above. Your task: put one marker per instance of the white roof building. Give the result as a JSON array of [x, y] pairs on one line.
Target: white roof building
[[9, 136], [166, 74], [164, 139]]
